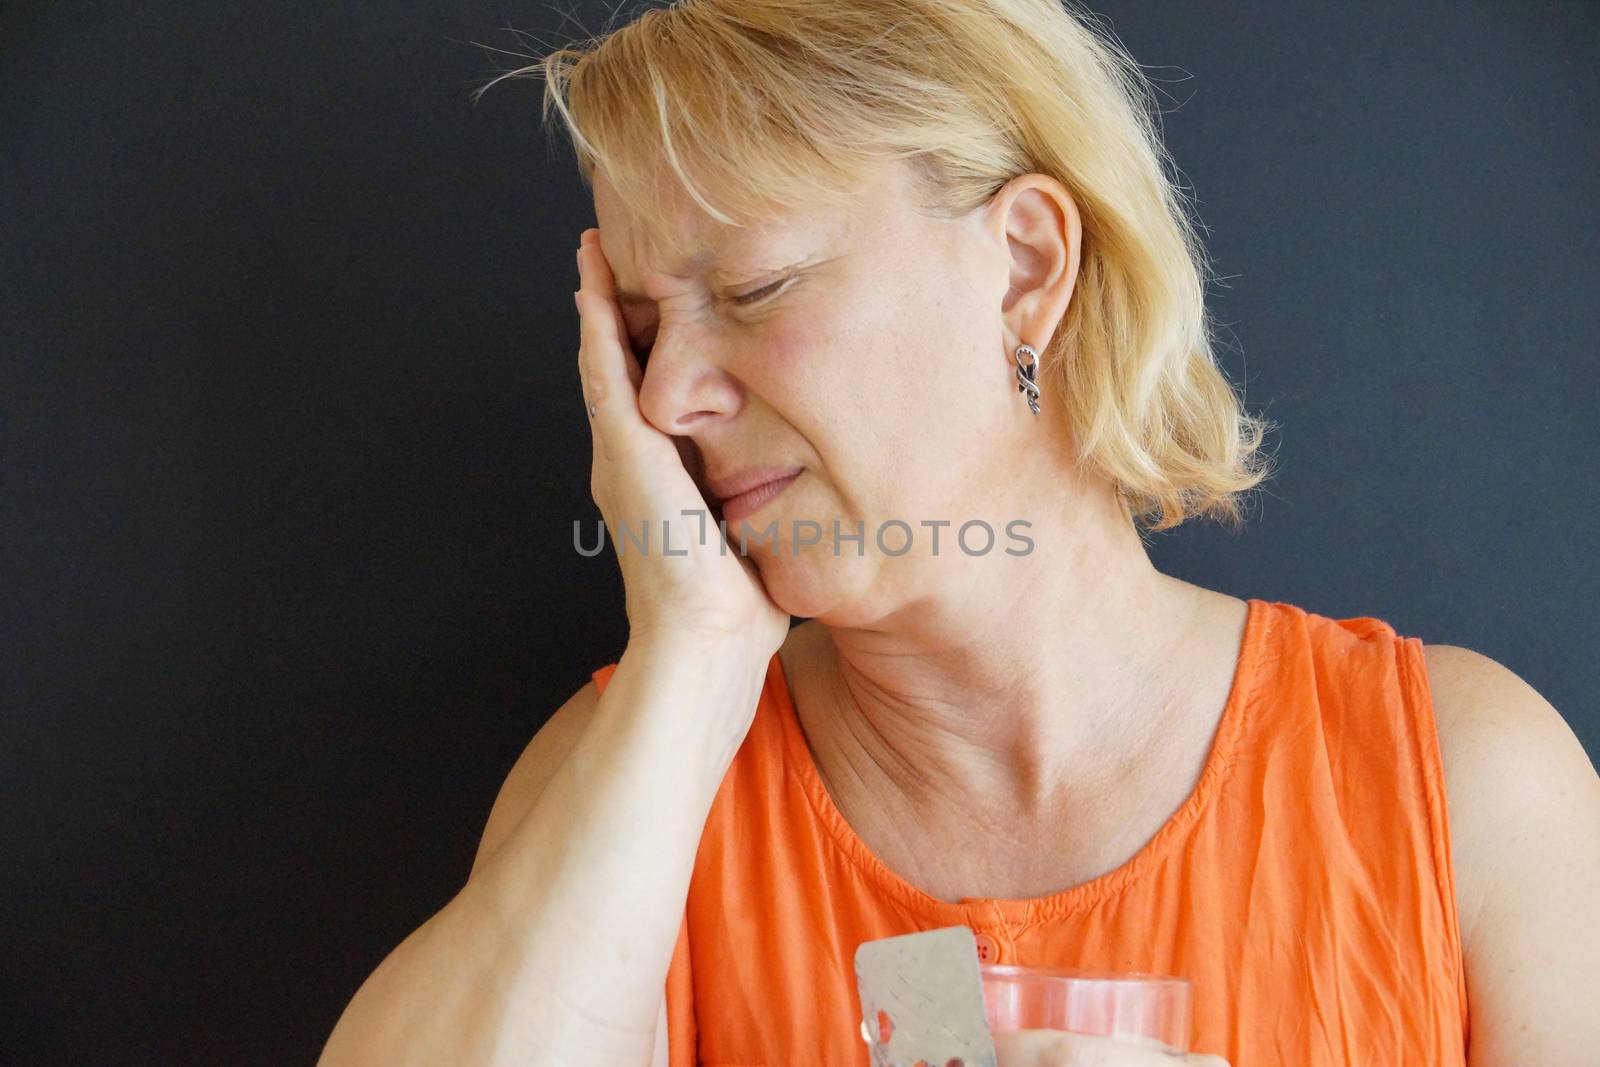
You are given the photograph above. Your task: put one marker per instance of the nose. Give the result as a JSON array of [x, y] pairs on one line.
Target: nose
[[687, 384]]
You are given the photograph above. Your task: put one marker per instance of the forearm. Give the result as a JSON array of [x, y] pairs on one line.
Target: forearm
[[605, 859], [558, 948]]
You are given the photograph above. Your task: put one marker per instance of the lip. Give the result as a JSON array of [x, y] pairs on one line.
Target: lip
[[747, 503], [727, 487]]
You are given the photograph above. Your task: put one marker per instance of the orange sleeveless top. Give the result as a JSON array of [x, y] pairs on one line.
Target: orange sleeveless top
[[1305, 885]]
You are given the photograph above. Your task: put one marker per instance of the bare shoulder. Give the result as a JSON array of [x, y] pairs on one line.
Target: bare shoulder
[[536, 765], [1508, 754], [1524, 810]]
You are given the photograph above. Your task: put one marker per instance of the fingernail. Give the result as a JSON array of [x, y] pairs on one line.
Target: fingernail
[[575, 302]]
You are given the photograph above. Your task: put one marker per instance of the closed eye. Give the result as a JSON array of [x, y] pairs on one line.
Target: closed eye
[[642, 351], [756, 295]]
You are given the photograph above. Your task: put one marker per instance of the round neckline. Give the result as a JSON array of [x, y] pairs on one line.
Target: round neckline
[[1016, 913]]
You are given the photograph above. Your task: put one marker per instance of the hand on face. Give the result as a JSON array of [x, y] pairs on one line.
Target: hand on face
[[701, 590]]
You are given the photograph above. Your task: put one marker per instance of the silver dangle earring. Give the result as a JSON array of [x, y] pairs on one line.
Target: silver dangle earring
[[1027, 374]]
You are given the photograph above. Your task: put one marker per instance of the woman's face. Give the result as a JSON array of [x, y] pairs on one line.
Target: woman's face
[[870, 347]]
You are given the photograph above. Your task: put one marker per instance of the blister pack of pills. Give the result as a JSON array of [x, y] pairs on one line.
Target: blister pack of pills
[[922, 1000]]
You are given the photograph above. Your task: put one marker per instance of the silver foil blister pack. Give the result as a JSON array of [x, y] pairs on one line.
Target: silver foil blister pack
[[922, 1000]]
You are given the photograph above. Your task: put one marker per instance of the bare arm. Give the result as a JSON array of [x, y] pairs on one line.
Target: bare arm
[[1524, 804], [601, 858]]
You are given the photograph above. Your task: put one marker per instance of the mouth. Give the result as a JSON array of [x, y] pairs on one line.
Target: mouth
[[751, 501]]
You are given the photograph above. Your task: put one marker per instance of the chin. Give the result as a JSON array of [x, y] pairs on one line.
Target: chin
[[815, 583]]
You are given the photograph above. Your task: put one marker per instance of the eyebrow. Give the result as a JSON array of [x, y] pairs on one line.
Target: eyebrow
[[702, 259], [633, 299]]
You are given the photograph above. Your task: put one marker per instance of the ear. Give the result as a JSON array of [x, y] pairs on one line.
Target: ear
[[1035, 220]]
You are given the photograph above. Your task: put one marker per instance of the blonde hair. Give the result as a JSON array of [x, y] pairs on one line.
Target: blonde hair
[[758, 106]]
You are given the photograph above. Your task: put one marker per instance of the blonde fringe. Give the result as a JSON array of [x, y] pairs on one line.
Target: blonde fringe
[[782, 104]]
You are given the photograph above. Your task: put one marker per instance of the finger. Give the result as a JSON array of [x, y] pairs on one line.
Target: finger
[[609, 395], [583, 368], [595, 270], [1060, 1048]]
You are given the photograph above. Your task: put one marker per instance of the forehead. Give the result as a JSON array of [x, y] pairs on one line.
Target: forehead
[[691, 244], [694, 244]]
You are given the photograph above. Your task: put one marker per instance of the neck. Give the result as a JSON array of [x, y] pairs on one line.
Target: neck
[[1007, 697]]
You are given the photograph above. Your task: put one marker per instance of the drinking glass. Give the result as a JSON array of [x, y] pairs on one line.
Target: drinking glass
[[1127, 1005]]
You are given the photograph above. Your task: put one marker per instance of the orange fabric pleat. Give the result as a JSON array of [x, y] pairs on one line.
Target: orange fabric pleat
[[1305, 885]]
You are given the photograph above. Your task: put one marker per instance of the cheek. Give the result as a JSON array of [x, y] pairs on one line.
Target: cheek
[[868, 384], [935, 398], [814, 361], [829, 373], [787, 350]]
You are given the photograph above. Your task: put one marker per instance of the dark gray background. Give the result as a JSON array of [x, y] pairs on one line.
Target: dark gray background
[[293, 442]]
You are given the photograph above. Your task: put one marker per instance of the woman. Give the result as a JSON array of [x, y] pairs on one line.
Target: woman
[[862, 269]]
